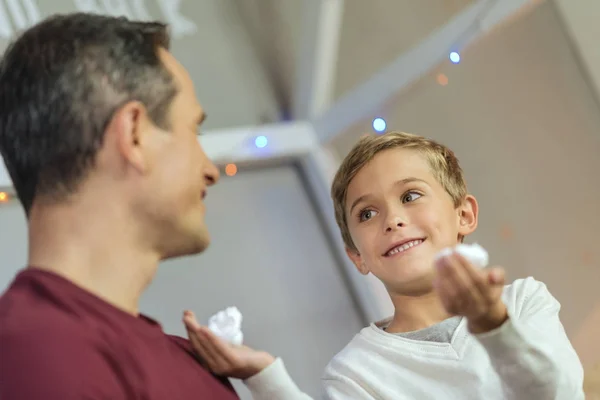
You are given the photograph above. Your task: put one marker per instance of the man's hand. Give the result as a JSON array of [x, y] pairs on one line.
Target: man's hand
[[471, 292], [222, 358]]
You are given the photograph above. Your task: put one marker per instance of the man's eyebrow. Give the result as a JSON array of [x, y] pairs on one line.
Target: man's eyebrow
[[201, 118]]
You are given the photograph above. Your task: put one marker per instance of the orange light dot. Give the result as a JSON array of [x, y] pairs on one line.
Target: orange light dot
[[231, 169], [506, 232], [442, 79], [3, 196], [588, 258]]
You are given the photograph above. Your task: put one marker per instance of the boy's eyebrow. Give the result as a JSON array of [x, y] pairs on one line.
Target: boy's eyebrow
[[400, 182]]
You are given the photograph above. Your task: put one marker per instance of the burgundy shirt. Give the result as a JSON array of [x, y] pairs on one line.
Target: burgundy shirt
[[58, 341]]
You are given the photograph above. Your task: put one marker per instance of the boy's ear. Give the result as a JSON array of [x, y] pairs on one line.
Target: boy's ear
[[358, 261], [468, 213]]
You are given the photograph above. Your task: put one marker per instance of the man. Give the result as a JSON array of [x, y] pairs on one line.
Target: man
[[98, 125]]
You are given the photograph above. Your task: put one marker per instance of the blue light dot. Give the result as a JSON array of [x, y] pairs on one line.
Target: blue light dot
[[455, 57], [260, 142], [379, 124]]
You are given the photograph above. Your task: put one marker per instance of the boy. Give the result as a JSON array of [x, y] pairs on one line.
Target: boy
[[457, 332]]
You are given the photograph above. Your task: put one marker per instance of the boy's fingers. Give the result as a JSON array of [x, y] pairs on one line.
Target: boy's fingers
[[479, 280], [496, 276], [444, 279], [219, 348]]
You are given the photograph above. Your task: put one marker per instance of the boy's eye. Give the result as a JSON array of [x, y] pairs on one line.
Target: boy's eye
[[366, 215], [410, 196]]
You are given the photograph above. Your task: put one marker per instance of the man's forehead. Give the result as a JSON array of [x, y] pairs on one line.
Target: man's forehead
[[177, 70]]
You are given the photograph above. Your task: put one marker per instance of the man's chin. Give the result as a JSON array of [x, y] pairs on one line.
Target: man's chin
[[189, 246], [200, 244]]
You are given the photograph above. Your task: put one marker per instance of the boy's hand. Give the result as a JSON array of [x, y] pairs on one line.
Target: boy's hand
[[222, 358], [471, 292]]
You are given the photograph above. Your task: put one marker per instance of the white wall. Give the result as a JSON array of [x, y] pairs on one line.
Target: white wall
[[524, 122], [269, 257], [208, 39], [581, 22]]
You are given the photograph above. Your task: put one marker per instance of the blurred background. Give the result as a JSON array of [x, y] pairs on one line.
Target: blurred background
[[517, 100]]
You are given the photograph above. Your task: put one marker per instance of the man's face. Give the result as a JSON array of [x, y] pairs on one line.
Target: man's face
[[399, 217], [179, 173]]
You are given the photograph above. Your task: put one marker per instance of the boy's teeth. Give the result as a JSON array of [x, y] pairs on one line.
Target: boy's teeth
[[404, 247]]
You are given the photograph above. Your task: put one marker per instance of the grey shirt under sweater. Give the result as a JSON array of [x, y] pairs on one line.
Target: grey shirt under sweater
[[441, 332]]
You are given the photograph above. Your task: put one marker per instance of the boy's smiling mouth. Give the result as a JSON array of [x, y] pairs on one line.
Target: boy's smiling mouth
[[403, 246]]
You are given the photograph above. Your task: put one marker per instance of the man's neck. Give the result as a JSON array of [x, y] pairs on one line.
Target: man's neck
[[412, 313], [95, 251]]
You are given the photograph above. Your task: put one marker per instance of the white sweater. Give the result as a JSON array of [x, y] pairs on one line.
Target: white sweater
[[529, 357]]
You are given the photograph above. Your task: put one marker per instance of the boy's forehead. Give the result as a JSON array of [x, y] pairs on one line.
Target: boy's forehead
[[387, 168]]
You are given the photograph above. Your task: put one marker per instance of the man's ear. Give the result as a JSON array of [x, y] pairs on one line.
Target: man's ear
[[127, 128], [358, 261], [468, 213]]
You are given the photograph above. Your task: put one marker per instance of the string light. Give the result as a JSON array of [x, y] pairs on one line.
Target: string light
[[379, 124], [230, 169], [442, 79], [454, 57], [261, 141], [3, 197]]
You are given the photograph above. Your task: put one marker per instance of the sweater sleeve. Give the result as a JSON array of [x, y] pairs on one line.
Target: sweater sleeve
[[531, 352], [274, 383], [344, 388]]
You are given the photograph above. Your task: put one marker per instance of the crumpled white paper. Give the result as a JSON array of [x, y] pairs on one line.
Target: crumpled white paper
[[227, 325], [476, 254]]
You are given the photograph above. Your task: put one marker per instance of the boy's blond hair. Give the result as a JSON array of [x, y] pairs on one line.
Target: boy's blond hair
[[443, 162]]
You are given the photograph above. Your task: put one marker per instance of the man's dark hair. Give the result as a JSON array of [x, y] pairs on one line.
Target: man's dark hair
[[61, 82]]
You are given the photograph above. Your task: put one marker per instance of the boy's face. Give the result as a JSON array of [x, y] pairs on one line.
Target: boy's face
[[399, 217]]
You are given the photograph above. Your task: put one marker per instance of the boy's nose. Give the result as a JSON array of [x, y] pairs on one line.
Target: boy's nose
[[393, 223]]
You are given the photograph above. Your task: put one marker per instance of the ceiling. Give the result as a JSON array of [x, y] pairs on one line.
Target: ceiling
[[243, 55], [373, 33]]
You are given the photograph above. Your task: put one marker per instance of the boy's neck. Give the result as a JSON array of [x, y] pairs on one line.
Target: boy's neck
[[416, 312]]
